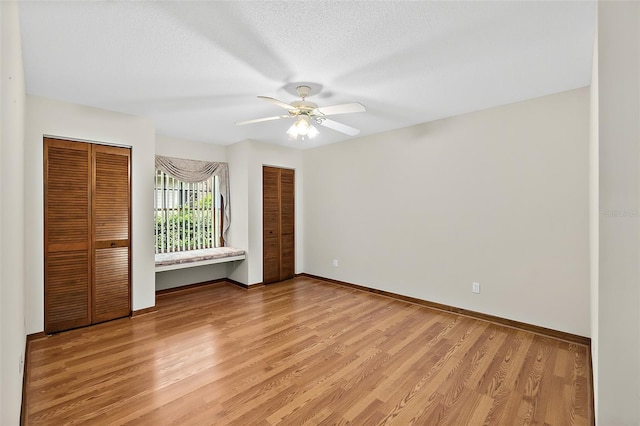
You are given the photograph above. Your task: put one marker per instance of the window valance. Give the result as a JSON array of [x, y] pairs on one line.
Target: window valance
[[194, 171]]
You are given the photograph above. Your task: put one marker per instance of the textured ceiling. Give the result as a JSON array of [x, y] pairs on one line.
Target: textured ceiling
[[196, 68]]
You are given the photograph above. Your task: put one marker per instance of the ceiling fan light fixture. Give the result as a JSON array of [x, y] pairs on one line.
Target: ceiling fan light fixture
[[304, 112], [302, 129]]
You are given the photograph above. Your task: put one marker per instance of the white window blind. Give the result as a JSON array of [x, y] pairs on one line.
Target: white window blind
[[188, 216]]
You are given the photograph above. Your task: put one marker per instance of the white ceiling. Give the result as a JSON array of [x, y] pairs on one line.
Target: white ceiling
[[196, 68]]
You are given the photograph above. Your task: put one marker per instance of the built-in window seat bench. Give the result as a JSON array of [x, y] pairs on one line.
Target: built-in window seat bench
[[192, 258]]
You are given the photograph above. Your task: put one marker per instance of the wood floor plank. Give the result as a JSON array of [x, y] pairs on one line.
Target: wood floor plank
[[304, 351]]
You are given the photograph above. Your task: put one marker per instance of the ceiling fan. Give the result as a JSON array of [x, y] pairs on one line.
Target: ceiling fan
[[307, 112]]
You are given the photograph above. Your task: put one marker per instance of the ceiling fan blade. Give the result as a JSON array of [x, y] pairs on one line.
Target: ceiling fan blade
[[342, 128], [342, 109], [258, 120], [279, 103]]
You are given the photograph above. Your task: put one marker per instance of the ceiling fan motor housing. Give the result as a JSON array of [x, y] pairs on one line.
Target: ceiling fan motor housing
[[304, 107]]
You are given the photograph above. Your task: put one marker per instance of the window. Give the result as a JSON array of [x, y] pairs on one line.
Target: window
[[188, 216]]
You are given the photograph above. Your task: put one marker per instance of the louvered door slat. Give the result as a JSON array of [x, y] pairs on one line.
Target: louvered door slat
[[111, 284], [111, 197], [287, 201], [68, 195], [271, 200], [67, 285], [287, 264], [67, 301], [271, 262]]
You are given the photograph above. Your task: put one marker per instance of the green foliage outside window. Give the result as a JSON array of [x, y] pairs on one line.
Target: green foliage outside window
[[186, 228]]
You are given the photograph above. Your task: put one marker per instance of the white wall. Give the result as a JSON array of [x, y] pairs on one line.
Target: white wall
[[499, 196], [55, 118], [12, 209], [594, 217], [193, 275], [245, 168], [618, 343], [182, 148], [237, 155]]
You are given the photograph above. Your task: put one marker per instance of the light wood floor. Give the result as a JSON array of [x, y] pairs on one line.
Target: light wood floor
[[303, 352]]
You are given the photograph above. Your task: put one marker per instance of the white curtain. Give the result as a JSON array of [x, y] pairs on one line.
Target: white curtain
[[194, 171]]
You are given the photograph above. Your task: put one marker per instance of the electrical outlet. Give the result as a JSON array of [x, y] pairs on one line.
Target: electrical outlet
[[335, 263], [475, 287]]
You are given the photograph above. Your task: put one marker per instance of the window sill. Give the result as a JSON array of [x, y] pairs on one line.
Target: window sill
[[193, 258]]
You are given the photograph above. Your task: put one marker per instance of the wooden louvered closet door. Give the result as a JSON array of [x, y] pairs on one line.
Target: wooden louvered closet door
[[87, 228], [67, 266], [111, 241], [278, 186], [287, 224]]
